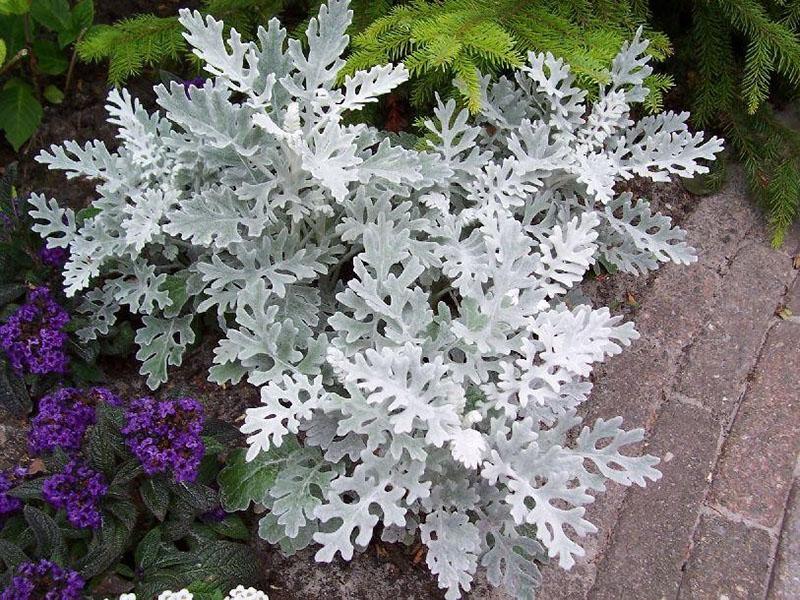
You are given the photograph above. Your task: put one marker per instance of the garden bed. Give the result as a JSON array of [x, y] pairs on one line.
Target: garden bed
[[383, 568]]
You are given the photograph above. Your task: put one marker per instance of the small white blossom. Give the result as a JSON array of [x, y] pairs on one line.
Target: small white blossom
[[242, 593]]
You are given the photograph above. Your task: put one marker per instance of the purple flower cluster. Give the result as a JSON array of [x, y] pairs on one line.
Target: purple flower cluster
[[64, 416], [165, 436], [44, 580], [9, 479], [78, 489], [34, 337], [197, 82], [53, 257]]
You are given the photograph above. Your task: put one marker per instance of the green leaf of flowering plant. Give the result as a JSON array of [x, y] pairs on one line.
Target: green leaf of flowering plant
[[155, 496], [125, 511], [127, 472], [100, 450], [106, 547], [87, 373], [49, 539], [178, 523], [231, 527], [11, 555], [56, 460], [30, 489], [214, 564], [200, 497], [13, 391], [148, 549]]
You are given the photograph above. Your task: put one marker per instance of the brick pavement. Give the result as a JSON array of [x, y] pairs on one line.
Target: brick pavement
[[715, 380]]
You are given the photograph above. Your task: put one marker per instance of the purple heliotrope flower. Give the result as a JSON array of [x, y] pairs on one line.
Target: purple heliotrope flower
[[53, 257], [215, 515], [78, 489], [9, 479], [34, 336], [44, 580], [64, 416], [197, 82], [165, 436]]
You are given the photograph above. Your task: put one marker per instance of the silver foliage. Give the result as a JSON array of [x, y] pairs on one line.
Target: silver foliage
[[401, 310]]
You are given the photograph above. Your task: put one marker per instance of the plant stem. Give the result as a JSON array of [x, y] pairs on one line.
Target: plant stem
[[32, 58], [73, 59], [22, 53]]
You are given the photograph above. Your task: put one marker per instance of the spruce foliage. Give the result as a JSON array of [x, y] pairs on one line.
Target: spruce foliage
[[442, 40], [147, 40], [739, 58]]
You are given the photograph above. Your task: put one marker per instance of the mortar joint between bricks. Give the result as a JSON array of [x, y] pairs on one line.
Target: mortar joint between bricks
[[688, 400], [717, 511]]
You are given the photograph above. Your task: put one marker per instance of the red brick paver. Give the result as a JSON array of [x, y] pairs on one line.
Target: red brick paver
[[755, 470], [786, 575], [650, 540], [729, 560]]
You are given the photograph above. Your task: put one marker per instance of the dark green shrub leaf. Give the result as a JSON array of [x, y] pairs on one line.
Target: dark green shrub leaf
[[14, 7], [87, 373], [175, 286], [53, 14], [87, 213], [119, 340], [81, 19], [49, 57], [83, 14]]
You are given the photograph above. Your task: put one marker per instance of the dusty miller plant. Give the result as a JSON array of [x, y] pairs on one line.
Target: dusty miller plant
[[401, 311]]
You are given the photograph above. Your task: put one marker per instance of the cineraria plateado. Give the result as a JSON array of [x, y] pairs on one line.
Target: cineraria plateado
[[401, 310]]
